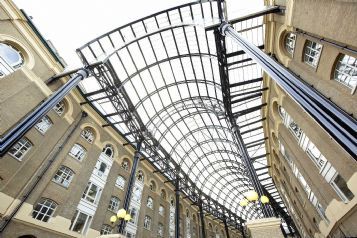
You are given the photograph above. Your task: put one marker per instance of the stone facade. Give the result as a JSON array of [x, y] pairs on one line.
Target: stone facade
[[305, 161]]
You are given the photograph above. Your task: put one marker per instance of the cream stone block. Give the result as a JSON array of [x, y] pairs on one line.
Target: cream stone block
[[265, 228], [5, 202], [338, 210]]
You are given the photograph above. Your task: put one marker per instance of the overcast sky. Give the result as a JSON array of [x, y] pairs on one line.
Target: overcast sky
[[70, 24]]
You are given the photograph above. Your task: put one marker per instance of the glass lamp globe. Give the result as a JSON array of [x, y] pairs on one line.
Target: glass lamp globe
[[264, 199], [243, 202], [252, 195], [121, 213], [113, 219], [127, 217]]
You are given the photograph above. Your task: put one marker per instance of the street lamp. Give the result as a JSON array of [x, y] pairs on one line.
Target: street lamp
[[121, 215], [252, 196]]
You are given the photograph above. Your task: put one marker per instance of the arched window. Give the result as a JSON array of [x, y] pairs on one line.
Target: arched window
[[312, 51], [120, 182], [78, 152], [63, 176], [152, 186], [59, 108], [44, 124], [10, 59], [108, 151], [140, 176], [125, 164], [290, 39], [44, 209], [163, 194], [150, 203], [282, 112], [147, 222], [88, 134], [346, 71], [161, 210], [19, 150], [106, 229], [114, 204]]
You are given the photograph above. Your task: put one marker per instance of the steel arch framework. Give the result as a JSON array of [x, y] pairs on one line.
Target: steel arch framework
[[161, 80]]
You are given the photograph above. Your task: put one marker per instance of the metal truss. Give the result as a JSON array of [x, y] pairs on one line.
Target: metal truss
[[161, 83]]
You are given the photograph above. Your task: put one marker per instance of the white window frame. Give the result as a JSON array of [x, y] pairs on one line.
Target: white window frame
[[289, 43], [78, 152], [114, 204], [147, 222], [319, 161], [86, 224], [161, 210], [312, 50], [45, 208], [350, 78], [150, 203], [6, 67], [106, 229], [106, 149], [134, 215], [140, 176], [98, 167], [59, 108], [63, 176], [88, 135], [89, 198], [120, 182], [44, 124], [20, 149], [160, 230], [125, 165]]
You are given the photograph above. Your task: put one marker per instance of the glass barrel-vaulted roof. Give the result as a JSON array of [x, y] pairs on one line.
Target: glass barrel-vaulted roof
[[160, 79]]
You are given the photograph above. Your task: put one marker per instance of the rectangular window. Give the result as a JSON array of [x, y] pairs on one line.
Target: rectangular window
[[312, 53], [295, 129], [43, 125], [92, 193], [80, 222], [101, 169], [316, 156], [340, 186], [19, 150]]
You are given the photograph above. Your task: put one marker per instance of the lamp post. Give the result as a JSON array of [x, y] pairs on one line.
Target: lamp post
[[121, 216], [252, 196]]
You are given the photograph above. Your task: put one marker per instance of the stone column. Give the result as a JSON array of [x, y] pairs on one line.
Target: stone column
[[265, 227]]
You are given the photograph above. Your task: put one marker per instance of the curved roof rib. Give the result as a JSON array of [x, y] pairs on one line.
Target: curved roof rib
[[160, 80]]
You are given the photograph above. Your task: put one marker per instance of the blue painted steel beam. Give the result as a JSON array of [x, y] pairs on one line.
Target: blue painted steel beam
[[337, 123], [17, 132]]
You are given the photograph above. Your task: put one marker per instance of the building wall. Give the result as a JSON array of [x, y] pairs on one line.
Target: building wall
[[330, 20], [20, 92]]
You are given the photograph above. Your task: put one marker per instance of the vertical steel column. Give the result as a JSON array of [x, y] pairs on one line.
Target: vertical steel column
[[226, 228], [29, 121], [203, 228], [129, 190], [223, 70], [177, 213]]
